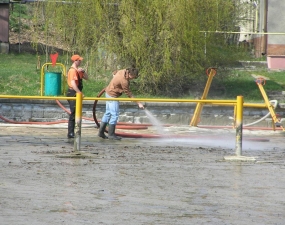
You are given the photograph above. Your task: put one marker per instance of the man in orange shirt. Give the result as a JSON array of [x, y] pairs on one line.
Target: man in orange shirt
[[75, 78]]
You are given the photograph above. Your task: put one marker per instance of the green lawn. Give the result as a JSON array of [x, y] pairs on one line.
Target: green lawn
[[20, 75]]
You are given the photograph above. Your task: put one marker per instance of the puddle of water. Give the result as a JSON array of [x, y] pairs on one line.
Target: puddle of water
[[220, 139], [216, 142]]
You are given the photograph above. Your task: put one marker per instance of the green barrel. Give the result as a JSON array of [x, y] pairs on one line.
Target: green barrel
[[52, 83]]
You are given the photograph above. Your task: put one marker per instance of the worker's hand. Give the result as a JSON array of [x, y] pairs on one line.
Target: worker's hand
[[83, 73], [140, 105], [80, 69]]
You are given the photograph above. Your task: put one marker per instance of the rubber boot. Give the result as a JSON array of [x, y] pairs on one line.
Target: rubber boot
[[71, 125], [111, 132], [101, 132]]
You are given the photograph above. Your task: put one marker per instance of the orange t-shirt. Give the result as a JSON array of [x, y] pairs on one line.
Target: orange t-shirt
[[72, 75]]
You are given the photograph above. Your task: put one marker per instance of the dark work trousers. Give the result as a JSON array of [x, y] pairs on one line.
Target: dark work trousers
[[72, 104]]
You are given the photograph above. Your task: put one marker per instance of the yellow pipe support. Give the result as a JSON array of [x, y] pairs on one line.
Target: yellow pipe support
[[78, 120], [42, 76], [269, 106], [199, 107], [37, 97], [239, 123]]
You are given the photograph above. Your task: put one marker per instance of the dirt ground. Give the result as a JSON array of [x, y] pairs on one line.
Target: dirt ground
[[140, 181]]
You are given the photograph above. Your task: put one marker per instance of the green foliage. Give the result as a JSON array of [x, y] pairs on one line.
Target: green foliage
[[18, 12], [162, 38], [20, 76]]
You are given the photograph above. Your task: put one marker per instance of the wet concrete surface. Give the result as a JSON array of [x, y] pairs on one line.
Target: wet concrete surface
[[140, 181]]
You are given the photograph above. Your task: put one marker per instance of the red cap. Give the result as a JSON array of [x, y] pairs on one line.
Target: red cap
[[76, 57]]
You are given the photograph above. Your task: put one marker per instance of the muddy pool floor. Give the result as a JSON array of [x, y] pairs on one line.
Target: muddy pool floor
[[140, 181]]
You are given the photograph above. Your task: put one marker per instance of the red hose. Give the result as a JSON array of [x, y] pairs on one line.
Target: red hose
[[94, 108], [61, 106]]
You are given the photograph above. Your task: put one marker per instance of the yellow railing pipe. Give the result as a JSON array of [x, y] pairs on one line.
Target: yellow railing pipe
[[37, 97], [249, 105], [209, 101], [117, 99], [254, 105]]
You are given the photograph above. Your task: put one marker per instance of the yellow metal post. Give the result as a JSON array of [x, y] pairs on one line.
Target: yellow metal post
[[78, 120], [260, 82], [239, 123], [239, 126], [211, 72]]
